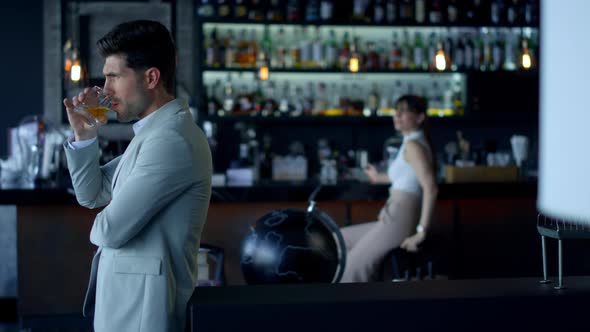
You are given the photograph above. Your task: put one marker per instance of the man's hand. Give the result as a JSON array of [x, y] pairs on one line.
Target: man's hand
[[80, 124]]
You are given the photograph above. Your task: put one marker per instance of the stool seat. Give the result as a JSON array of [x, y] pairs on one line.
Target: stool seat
[[560, 230]]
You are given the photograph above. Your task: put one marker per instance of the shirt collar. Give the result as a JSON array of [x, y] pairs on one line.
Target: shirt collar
[[414, 135], [141, 123]]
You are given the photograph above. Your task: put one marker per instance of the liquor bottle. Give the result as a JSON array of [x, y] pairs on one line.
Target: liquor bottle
[[266, 43], [453, 11], [298, 99], [206, 8], [275, 11], [253, 47], [379, 12], [312, 11], [320, 102], [293, 10], [318, 58], [255, 10], [497, 11], [458, 60], [531, 12], [395, 54], [434, 97], [244, 100], [432, 50], [477, 51], [359, 11], [230, 50], [240, 9], [420, 11], [270, 105], [497, 49], [279, 56], [406, 51], [486, 52], [512, 12], [305, 49], [213, 103], [223, 8], [266, 158], [294, 58], [419, 63], [326, 10], [212, 50], [469, 50], [435, 13], [509, 52], [331, 49], [391, 11], [373, 101], [371, 58], [228, 97], [258, 99], [344, 54], [308, 98], [285, 105], [406, 11]]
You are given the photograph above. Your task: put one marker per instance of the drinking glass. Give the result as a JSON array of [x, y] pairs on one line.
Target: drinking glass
[[96, 113]]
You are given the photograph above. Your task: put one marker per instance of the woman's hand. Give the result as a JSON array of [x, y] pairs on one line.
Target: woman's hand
[[371, 172], [411, 243]]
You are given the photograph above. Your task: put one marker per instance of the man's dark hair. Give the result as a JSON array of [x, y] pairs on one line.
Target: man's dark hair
[[145, 44]]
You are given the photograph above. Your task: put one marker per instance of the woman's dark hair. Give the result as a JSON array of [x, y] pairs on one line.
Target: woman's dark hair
[[419, 105], [145, 44]]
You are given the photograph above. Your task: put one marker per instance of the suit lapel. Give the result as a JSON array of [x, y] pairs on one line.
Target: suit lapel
[[168, 110]]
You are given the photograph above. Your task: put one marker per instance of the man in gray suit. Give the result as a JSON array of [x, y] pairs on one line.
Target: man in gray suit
[[155, 195]]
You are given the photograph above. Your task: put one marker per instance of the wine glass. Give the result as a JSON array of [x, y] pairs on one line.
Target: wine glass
[[95, 114]]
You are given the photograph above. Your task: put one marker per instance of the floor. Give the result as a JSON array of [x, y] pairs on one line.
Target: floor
[[8, 327]]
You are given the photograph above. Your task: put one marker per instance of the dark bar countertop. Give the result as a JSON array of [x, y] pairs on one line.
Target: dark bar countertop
[[297, 192]]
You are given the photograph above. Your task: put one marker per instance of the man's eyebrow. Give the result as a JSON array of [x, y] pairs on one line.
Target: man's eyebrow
[[110, 73]]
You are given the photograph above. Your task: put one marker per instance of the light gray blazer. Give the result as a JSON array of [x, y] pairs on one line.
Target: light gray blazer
[[156, 196]]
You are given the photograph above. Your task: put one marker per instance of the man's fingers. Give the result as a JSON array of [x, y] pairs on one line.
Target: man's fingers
[[68, 104]]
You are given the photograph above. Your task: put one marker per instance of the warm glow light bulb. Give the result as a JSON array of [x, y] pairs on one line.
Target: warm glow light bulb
[[263, 73], [526, 60], [76, 72], [440, 60], [353, 64]]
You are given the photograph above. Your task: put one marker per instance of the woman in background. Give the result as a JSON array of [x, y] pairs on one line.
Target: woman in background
[[405, 219]]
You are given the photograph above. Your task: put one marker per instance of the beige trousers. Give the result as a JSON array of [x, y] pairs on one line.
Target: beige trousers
[[367, 244]]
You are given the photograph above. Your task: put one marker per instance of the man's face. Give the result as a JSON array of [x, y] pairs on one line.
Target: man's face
[[125, 87]]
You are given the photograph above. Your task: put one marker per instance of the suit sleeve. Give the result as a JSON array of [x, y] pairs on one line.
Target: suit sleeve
[[92, 183], [163, 170]]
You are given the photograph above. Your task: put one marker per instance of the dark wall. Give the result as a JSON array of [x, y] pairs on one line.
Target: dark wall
[[21, 86]]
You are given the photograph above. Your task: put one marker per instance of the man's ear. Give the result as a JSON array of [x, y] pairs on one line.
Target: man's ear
[[421, 117], [151, 77]]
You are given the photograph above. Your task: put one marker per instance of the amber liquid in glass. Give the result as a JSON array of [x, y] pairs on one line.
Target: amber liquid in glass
[[99, 112]]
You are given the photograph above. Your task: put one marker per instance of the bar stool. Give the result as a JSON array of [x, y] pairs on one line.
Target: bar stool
[[559, 229], [216, 257], [406, 265]]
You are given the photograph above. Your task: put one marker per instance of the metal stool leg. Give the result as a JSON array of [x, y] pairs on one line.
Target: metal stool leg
[[560, 262], [545, 280]]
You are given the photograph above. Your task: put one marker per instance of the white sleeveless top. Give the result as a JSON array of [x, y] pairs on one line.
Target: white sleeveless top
[[400, 172]]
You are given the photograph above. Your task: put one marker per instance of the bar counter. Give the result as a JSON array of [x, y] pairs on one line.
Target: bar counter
[[269, 191], [487, 231]]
